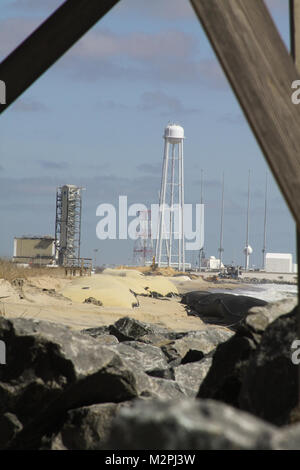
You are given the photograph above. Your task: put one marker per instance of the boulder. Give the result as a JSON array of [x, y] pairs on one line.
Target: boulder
[[130, 329], [142, 357], [166, 373], [51, 369], [224, 378], [97, 331], [9, 428], [107, 340], [86, 428], [189, 376], [259, 318], [195, 345], [270, 383], [219, 308], [253, 369], [163, 389], [187, 424], [287, 438]]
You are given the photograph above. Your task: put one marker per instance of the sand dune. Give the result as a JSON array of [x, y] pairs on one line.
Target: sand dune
[[60, 300], [114, 287]]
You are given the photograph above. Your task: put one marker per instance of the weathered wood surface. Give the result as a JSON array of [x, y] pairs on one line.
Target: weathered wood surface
[[48, 43], [260, 71], [295, 31], [294, 6]]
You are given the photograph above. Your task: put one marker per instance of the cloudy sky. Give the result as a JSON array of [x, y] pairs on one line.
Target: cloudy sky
[[96, 119]]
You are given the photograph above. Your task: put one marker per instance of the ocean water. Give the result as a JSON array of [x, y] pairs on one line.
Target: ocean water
[[268, 292]]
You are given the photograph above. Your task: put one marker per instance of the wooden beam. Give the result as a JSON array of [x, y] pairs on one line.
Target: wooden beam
[[295, 31], [295, 53], [260, 71], [48, 43]]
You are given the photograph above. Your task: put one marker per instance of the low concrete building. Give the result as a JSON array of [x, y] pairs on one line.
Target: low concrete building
[[279, 263], [38, 251], [212, 263]]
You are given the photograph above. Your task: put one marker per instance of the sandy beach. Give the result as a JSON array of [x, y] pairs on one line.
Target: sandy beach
[[61, 300]]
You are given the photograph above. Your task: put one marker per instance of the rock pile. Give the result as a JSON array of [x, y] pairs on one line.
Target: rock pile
[[253, 370], [54, 377], [132, 385]]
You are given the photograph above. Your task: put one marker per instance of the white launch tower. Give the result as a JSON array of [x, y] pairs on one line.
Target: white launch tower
[[170, 247]]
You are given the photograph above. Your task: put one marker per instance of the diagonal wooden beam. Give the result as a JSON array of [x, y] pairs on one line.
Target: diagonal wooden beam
[[260, 71], [295, 31], [294, 6], [48, 43]]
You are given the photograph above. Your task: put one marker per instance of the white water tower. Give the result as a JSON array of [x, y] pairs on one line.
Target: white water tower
[[170, 248]]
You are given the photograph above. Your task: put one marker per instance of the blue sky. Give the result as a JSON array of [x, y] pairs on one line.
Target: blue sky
[[96, 119]]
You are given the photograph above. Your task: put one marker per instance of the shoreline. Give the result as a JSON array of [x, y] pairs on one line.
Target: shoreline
[[41, 298]]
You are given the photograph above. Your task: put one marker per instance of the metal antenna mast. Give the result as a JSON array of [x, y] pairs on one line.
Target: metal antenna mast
[[265, 225], [201, 202], [221, 249], [248, 250]]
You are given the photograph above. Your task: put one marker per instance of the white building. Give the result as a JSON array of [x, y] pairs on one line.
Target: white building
[[212, 263], [279, 263]]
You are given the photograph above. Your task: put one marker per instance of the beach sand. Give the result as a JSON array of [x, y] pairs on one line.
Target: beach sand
[[60, 300]]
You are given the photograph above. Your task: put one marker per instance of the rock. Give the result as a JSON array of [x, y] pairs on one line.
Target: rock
[[143, 357], [195, 344], [51, 369], [270, 385], [287, 438], [86, 428], [166, 373], [187, 424], [259, 318], [9, 428], [163, 389], [92, 300], [190, 376], [97, 331], [193, 355], [130, 329], [224, 379], [253, 369], [107, 340], [219, 308]]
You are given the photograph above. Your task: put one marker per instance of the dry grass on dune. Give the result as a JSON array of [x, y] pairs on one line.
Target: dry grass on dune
[[10, 271], [169, 272]]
